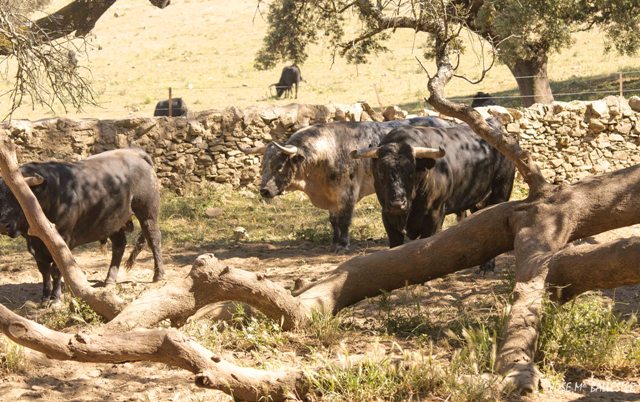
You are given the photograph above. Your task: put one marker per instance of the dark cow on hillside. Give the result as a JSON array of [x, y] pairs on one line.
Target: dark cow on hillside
[[90, 200], [483, 99], [289, 78], [316, 160], [423, 173], [178, 108]]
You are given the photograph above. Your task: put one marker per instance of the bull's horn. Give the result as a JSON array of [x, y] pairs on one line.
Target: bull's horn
[[371, 152], [34, 180], [253, 150], [425, 152], [287, 149]]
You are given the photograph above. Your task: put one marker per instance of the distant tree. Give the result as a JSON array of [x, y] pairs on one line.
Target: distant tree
[[39, 57], [522, 33]]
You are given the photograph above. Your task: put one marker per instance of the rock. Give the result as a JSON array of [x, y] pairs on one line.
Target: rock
[[515, 113], [616, 138], [355, 112], [429, 113], [634, 103], [617, 105], [394, 113], [501, 113], [240, 233], [621, 155], [548, 173], [556, 162], [596, 126], [624, 128], [213, 212], [513, 128], [598, 109]]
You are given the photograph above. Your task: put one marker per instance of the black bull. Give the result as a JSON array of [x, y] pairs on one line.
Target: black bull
[[422, 173], [90, 200], [317, 160]]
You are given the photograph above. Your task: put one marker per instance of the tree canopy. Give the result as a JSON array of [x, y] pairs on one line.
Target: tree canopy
[[522, 34]]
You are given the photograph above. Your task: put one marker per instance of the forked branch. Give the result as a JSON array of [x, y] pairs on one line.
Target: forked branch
[[507, 145]]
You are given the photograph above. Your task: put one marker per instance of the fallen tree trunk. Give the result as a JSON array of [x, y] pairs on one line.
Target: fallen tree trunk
[[167, 346], [210, 281], [576, 270]]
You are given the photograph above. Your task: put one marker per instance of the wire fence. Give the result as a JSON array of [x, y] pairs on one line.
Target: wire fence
[[624, 83]]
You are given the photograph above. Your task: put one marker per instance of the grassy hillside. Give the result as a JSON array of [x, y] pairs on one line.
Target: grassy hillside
[[205, 49]]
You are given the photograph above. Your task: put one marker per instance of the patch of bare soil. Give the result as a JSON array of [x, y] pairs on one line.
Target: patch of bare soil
[[442, 301]]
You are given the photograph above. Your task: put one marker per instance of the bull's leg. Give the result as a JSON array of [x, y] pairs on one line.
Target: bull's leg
[[461, 215], [394, 226], [118, 244], [56, 293], [431, 224], [296, 85], [151, 232], [44, 266], [333, 218], [340, 221]]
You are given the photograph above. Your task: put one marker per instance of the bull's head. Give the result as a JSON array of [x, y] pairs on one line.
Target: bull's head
[[12, 220], [279, 167], [395, 167]]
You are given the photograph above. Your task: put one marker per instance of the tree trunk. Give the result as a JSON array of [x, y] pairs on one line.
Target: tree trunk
[[533, 81]]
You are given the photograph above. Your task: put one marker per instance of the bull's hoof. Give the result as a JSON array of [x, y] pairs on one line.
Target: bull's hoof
[[109, 282], [489, 266], [54, 304], [158, 277], [339, 248]]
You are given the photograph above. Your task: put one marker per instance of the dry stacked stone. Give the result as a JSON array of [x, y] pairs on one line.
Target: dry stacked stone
[[573, 140], [569, 140]]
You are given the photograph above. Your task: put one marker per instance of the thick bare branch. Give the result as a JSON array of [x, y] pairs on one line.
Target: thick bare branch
[[167, 346], [507, 145], [211, 281], [575, 270], [79, 16], [540, 232]]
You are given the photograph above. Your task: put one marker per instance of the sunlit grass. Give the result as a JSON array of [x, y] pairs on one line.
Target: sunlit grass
[[289, 218], [587, 334]]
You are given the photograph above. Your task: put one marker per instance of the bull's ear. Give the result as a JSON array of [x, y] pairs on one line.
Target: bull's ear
[[297, 159], [425, 164], [34, 180]]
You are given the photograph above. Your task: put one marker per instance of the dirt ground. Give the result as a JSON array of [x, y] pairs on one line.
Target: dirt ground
[[20, 286]]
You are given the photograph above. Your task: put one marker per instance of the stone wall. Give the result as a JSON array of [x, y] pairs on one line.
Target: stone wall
[[572, 140], [187, 151], [569, 140]]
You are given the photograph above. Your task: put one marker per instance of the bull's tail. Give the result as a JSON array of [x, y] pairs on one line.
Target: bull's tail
[[137, 248]]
